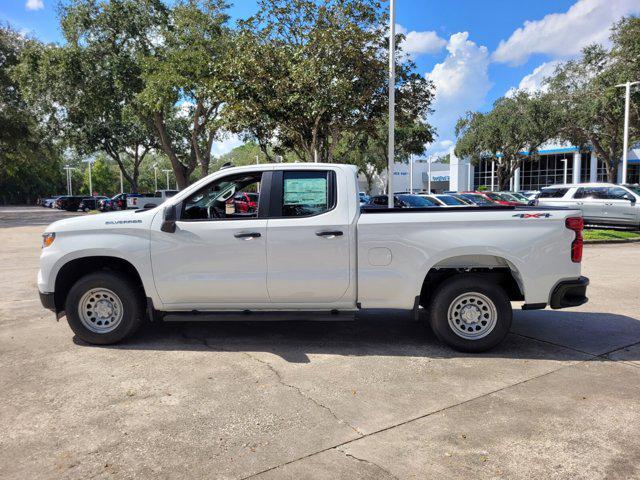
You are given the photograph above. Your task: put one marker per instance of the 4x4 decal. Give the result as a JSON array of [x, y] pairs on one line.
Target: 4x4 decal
[[532, 215]]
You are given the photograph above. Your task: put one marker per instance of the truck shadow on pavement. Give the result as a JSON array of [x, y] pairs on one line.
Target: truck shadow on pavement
[[544, 335]]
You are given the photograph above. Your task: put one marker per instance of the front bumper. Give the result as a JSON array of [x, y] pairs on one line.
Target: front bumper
[[48, 301], [570, 293]]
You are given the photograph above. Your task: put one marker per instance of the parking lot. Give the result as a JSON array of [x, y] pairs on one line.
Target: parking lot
[[377, 398]]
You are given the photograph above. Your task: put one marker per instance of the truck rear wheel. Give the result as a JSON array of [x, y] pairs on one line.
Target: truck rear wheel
[[470, 314], [104, 308]]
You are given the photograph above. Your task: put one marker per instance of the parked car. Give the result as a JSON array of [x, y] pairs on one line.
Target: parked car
[[530, 194], [465, 200], [90, 203], [401, 200], [478, 199], [49, 202], [514, 197], [309, 253], [497, 198], [445, 200], [147, 200], [245, 202], [600, 203], [363, 198], [71, 203], [117, 202]]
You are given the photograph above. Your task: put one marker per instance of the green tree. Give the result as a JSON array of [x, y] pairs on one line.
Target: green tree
[[509, 134], [186, 77], [312, 73], [30, 164], [584, 95], [104, 177], [369, 150], [94, 79]]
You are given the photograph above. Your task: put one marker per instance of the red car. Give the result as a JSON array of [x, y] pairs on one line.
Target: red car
[[496, 198], [245, 202]]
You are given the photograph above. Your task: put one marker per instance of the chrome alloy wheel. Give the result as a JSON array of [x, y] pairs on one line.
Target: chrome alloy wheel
[[100, 310], [472, 316]]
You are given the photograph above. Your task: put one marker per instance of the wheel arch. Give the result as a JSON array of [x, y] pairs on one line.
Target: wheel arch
[[75, 269], [494, 268]]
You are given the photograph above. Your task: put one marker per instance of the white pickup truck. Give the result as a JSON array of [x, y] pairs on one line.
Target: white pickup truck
[[309, 251], [147, 201]]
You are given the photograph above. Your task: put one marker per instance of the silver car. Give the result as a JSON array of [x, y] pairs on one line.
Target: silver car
[[601, 203]]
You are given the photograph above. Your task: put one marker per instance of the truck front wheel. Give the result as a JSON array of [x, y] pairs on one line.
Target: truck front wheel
[[104, 308], [470, 314]]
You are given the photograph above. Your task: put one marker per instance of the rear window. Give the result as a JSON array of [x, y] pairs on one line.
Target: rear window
[[553, 192], [416, 201], [447, 200]]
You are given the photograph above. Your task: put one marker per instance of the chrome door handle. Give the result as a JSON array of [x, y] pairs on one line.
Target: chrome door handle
[[247, 235]]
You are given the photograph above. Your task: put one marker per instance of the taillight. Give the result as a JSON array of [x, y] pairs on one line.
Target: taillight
[[576, 224]]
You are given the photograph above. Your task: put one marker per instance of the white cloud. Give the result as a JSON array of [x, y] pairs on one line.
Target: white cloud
[[34, 5], [417, 43], [228, 143], [462, 83], [534, 81], [565, 34]]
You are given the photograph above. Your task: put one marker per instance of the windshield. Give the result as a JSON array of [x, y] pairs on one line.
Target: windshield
[[509, 197], [634, 188], [495, 196]]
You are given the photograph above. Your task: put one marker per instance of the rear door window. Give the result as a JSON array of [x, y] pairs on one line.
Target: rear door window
[[553, 192], [306, 193], [591, 192]]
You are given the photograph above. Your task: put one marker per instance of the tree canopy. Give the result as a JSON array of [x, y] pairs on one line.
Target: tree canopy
[[509, 134], [29, 153], [311, 74]]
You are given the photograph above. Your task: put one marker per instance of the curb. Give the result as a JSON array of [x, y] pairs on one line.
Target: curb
[[616, 240]]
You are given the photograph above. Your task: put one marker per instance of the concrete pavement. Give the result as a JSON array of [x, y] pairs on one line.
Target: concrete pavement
[[380, 398]]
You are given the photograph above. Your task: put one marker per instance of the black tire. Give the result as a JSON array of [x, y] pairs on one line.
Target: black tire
[[128, 293], [452, 289]]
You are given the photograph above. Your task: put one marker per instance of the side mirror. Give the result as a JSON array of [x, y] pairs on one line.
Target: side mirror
[[633, 200], [169, 222]]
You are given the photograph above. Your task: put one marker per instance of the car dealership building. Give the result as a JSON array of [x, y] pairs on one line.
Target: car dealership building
[[552, 165]]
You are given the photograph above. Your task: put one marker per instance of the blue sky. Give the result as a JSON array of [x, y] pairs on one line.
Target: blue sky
[[475, 51]]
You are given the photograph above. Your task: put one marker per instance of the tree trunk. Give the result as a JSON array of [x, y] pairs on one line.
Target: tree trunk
[[612, 171], [179, 170]]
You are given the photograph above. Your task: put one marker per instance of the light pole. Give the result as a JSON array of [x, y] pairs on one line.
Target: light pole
[[410, 173], [155, 175], [90, 162], [564, 160], [625, 141], [429, 174], [392, 98], [69, 179], [167, 172], [493, 169]]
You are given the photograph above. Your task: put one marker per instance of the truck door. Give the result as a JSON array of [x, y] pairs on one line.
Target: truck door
[[308, 239], [620, 207], [216, 258], [591, 201]]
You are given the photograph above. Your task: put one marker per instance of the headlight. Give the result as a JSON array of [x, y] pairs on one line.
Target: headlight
[[47, 239]]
